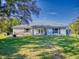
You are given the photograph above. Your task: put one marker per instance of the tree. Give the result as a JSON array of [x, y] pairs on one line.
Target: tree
[[12, 22], [6, 24], [75, 27], [21, 9]]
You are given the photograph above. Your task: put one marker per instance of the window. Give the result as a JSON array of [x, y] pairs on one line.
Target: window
[[40, 31], [55, 30], [27, 30]]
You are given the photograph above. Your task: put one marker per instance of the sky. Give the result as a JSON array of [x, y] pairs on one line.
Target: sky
[[61, 11]]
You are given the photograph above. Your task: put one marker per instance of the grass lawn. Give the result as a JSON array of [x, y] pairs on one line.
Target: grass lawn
[[39, 47]]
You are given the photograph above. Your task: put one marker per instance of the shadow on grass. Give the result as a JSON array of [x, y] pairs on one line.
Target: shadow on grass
[[9, 46], [69, 45], [19, 56], [47, 55]]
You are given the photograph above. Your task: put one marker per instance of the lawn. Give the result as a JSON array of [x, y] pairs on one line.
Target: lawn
[[39, 47]]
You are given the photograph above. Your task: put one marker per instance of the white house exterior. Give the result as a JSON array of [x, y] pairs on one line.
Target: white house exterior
[[41, 29]]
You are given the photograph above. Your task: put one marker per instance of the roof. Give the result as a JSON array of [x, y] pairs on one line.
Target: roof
[[21, 26], [40, 25], [48, 24]]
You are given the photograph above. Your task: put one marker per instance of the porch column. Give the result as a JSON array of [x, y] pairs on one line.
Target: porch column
[[52, 31], [58, 31], [32, 31]]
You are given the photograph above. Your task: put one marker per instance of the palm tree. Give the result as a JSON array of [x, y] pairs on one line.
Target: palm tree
[[21, 9]]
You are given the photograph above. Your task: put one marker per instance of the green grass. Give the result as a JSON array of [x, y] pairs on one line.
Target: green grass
[[39, 47]]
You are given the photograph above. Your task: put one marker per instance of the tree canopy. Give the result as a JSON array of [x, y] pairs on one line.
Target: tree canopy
[[74, 26], [6, 24], [21, 9]]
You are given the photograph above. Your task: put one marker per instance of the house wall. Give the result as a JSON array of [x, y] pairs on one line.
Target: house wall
[[52, 31], [35, 31], [62, 31], [18, 31], [49, 31], [21, 32]]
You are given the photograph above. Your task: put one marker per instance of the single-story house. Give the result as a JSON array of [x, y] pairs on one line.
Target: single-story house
[[41, 29]]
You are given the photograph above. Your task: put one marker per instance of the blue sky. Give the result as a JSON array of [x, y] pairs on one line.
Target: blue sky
[[62, 11]]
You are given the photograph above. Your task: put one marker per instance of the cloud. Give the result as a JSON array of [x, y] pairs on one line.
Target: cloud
[[52, 13]]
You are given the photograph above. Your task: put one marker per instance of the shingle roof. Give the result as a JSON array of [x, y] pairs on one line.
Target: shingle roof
[[40, 24], [47, 24], [21, 26]]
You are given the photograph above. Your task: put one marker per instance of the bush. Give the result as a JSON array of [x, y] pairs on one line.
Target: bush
[[14, 35], [8, 33]]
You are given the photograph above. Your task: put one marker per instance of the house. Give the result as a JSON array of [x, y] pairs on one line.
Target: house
[[38, 28]]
